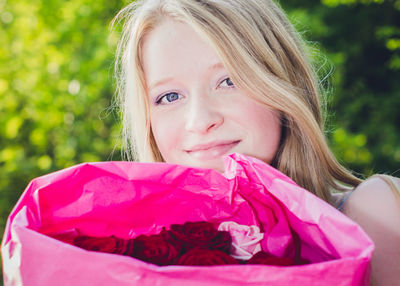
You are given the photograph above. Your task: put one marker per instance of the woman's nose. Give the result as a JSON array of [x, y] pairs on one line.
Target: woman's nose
[[202, 116]]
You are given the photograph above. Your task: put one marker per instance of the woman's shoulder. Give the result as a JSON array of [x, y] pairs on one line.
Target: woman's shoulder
[[375, 206], [375, 203], [378, 193]]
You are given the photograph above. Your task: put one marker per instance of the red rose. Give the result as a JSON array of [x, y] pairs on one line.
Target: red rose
[[262, 257], [203, 257], [200, 234], [109, 244], [154, 249]]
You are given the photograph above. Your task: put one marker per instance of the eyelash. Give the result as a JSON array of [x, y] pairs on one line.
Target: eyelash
[[159, 99], [227, 79]]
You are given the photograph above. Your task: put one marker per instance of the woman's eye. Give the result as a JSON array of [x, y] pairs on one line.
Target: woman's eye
[[227, 83], [169, 97]]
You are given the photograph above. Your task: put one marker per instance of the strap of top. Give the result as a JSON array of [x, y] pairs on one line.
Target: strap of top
[[344, 199]]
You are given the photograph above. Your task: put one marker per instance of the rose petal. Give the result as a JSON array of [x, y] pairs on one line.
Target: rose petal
[[265, 258], [204, 257], [246, 240], [155, 249]]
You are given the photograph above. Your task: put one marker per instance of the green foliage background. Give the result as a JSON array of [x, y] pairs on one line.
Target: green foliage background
[[56, 86]]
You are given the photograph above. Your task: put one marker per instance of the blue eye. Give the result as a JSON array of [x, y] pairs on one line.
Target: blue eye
[[172, 96], [169, 97], [227, 83]]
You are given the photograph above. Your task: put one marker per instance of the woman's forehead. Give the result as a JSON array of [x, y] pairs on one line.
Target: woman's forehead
[[176, 48]]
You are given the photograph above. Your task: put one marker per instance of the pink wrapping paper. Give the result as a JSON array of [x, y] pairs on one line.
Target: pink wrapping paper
[[126, 199]]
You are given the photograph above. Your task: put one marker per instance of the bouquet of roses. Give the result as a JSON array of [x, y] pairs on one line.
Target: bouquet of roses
[[191, 243], [161, 214]]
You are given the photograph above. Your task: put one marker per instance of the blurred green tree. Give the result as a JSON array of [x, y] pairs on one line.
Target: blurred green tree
[[56, 64], [361, 43]]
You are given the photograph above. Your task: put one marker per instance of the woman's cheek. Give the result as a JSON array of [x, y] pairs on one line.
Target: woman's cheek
[[166, 134]]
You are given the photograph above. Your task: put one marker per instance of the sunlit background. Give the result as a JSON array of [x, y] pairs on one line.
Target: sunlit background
[[56, 84]]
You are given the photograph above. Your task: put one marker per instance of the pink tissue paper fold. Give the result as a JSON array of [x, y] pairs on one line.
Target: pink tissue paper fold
[[126, 199]]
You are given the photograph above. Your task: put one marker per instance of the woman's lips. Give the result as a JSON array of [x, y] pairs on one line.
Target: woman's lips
[[213, 150]]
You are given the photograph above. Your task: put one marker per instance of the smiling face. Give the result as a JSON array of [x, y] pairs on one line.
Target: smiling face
[[197, 114]]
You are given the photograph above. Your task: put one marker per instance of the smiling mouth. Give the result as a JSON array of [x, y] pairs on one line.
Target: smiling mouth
[[212, 151]]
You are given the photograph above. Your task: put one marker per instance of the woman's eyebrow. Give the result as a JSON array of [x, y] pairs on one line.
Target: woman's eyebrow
[[216, 66], [160, 82]]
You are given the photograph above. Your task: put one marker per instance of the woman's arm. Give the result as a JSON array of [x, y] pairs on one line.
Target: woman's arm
[[375, 207]]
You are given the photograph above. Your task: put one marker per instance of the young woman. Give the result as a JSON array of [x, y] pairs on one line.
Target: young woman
[[199, 79]]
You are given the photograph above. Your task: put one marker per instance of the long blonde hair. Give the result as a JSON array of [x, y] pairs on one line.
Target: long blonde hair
[[263, 54]]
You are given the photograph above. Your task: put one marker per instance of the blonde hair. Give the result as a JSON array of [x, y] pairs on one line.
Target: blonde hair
[[263, 55]]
